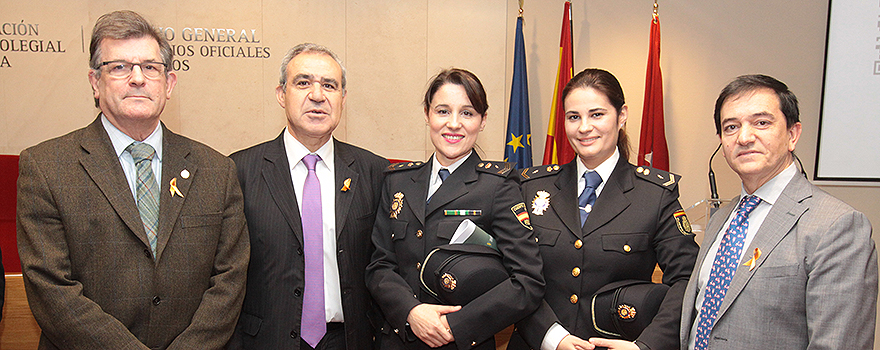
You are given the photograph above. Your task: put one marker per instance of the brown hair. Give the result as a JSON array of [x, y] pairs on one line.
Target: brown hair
[[471, 84], [604, 82], [125, 25]]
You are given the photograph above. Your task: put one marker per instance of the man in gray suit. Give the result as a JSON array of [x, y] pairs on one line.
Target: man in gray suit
[[131, 236], [280, 310], [784, 265]]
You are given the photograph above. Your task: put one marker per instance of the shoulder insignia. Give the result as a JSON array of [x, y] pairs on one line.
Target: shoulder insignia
[[404, 166], [681, 220], [497, 168], [659, 177], [539, 171]]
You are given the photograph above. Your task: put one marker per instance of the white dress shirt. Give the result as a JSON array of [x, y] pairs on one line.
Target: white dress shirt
[[769, 193], [556, 332], [121, 141], [326, 176], [435, 182]]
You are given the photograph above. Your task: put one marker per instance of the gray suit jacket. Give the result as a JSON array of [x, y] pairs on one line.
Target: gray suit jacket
[[270, 317], [815, 283], [90, 277]]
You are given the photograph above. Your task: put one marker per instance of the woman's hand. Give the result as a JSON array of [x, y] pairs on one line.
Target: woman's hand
[[425, 321], [571, 342], [614, 344]]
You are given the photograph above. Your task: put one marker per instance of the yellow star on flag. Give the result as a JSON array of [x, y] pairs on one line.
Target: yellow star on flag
[[515, 142]]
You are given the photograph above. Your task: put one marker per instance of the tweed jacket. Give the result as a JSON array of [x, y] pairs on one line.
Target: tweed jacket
[[89, 274]]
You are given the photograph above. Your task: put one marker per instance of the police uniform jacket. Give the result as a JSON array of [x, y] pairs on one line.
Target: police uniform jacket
[[631, 228], [407, 229]]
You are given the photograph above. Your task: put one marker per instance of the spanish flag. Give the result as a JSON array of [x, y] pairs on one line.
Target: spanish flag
[[557, 150]]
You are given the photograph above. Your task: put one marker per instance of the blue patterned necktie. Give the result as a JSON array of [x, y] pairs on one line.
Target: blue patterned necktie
[[147, 190], [726, 261], [588, 195], [314, 321]]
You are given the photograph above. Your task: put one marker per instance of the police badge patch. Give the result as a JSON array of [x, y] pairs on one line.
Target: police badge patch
[[522, 215], [541, 202], [681, 220], [396, 204], [448, 281]]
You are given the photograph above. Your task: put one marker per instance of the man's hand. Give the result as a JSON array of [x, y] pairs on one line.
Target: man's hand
[[428, 323], [614, 344]]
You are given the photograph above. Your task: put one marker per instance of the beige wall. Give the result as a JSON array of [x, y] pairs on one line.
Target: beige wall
[[391, 49]]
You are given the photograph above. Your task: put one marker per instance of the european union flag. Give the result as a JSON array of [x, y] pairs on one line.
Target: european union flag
[[519, 134]]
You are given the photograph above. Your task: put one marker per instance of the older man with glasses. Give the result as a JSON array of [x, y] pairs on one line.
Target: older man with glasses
[[131, 236]]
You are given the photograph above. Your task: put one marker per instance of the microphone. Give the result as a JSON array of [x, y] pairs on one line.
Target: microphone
[[713, 188], [801, 164]]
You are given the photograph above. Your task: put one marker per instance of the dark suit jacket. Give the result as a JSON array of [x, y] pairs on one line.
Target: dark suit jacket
[[270, 318], [89, 274], [814, 285], [633, 210], [403, 242]]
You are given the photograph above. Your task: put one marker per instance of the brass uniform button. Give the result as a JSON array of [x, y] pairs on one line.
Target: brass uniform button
[[473, 343], [627, 248], [536, 239], [418, 266], [419, 233], [578, 244], [573, 299], [576, 271]]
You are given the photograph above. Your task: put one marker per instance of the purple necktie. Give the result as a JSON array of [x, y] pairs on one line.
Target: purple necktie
[[314, 323], [726, 261]]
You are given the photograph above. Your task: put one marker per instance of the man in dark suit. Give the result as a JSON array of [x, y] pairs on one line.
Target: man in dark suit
[[280, 205], [788, 266], [113, 259]]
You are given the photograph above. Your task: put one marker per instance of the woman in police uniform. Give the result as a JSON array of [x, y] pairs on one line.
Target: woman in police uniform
[[420, 208], [633, 222]]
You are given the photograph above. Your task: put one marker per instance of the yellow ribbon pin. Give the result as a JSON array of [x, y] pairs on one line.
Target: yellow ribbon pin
[[346, 184], [753, 262], [174, 188]]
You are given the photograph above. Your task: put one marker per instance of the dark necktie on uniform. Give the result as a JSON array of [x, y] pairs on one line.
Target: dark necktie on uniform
[[314, 323], [443, 173], [726, 261], [147, 190], [588, 195]]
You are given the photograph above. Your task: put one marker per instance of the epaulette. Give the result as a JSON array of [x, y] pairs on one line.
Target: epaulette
[[662, 178], [497, 168], [404, 166], [538, 171]]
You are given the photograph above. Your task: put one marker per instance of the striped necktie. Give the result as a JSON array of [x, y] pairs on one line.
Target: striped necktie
[[147, 190]]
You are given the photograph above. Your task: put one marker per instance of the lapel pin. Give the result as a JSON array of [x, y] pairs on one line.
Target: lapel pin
[[346, 185], [174, 188], [753, 262], [184, 174]]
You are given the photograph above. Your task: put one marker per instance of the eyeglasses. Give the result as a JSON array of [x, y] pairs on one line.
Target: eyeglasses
[[122, 69]]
